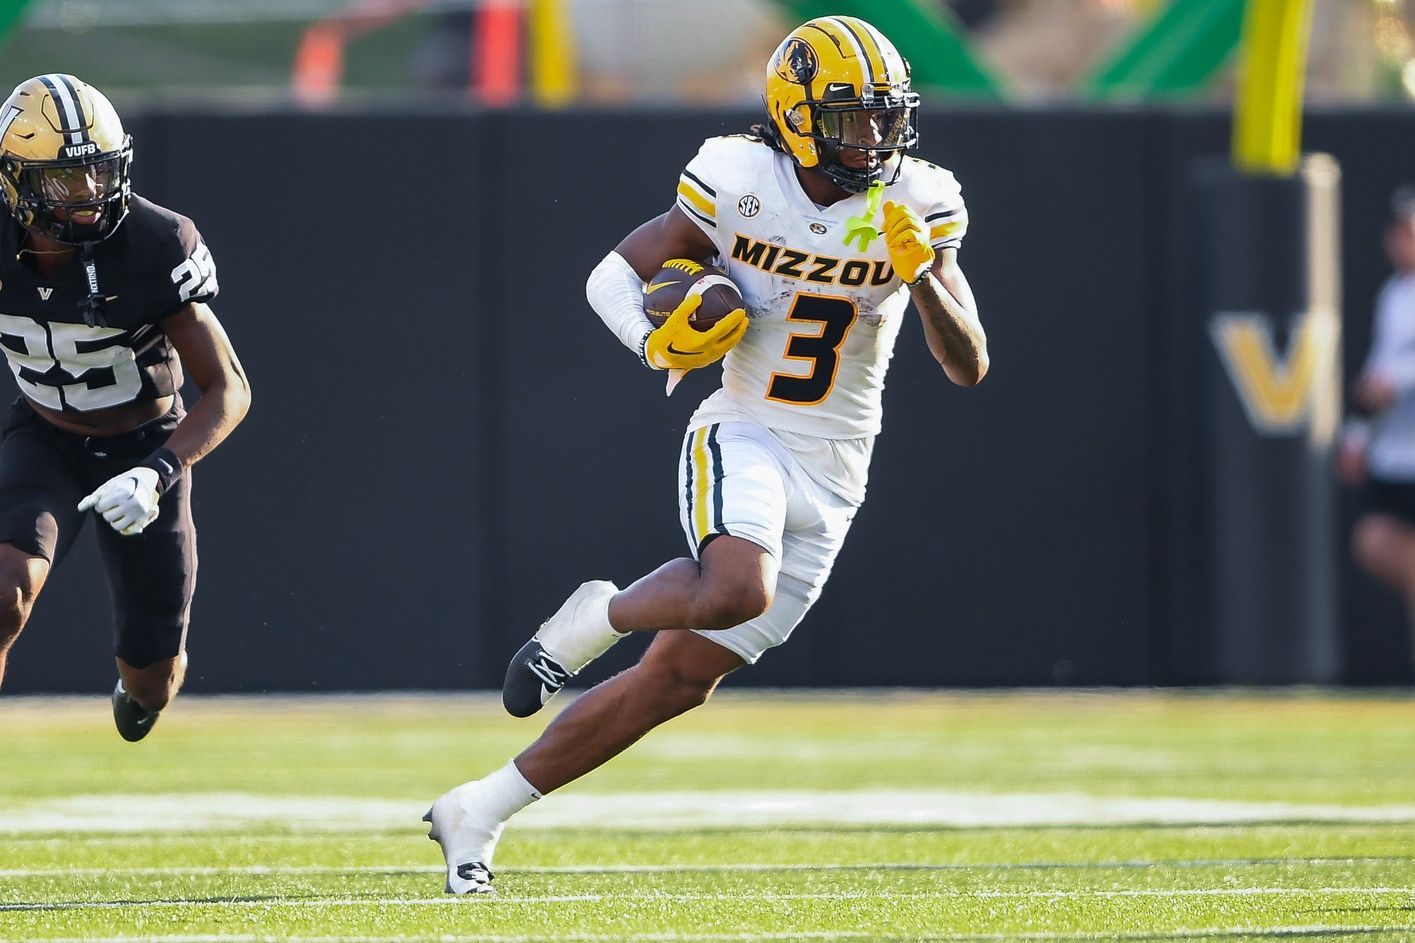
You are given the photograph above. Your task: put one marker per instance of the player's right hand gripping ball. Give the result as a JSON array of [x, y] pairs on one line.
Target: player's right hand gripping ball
[[906, 235], [698, 315]]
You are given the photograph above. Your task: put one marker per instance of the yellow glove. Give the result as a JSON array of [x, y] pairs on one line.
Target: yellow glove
[[677, 345], [906, 235]]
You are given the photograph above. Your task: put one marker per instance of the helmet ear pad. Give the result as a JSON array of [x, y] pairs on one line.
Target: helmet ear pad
[[10, 191], [795, 128]]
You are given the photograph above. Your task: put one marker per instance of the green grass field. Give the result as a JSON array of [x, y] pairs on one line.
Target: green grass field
[[900, 816]]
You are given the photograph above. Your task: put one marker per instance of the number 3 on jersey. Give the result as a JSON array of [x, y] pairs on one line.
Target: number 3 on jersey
[[819, 346]]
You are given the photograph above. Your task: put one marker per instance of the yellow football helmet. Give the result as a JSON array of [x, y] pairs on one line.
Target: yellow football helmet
[[835, 83], [64, 159]]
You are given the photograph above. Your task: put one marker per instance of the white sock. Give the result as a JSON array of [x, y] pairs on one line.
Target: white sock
[[504, 793], [585, 634], [482, 808]]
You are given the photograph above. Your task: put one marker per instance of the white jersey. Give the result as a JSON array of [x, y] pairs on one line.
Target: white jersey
[[1392, 448], [824, 314]]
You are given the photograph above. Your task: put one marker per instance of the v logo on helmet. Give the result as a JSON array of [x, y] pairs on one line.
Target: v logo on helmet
[[11, 114], [1278, 392]]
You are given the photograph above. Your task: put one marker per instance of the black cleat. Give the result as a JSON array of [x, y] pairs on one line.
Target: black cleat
[[532, 678], [133, 720], [477, 877]]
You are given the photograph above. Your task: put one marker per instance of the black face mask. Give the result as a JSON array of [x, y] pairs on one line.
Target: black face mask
[[887, 131], [73, 201]]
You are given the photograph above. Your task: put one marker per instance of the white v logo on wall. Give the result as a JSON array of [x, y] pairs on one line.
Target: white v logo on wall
[[1286, 393], [44, 293]]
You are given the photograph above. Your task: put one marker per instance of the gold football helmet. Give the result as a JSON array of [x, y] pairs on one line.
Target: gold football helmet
[[64, 159], [835, 83]]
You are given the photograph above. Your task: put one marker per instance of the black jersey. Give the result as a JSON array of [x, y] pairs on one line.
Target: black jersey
[[154, 264]]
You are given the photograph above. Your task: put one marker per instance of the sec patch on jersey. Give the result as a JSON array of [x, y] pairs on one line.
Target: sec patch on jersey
[[681, 278]]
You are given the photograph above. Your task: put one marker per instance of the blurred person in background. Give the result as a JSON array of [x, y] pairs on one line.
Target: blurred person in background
[[1045, 47], [774, 463], [442, 58], [105, 307], [972, 13], [664, 51], [1378, 444]]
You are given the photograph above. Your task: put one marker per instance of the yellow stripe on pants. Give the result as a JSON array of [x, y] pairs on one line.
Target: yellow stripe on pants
[[700, 485]]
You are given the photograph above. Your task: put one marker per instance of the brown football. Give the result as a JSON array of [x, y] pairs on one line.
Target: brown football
[[680, 277]]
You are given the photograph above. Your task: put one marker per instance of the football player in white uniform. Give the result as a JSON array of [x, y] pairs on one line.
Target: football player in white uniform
[[1378, 444], [829, 229]]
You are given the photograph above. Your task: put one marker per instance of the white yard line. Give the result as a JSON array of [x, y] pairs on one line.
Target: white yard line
[[743, 867], [397, 831], [508, 900], [227, 812]]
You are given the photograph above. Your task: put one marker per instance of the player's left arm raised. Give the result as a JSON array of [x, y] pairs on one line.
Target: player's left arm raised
[[941, 293], [129, 501]]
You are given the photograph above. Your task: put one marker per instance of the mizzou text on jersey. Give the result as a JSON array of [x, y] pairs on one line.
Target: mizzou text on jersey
[[824, 316]]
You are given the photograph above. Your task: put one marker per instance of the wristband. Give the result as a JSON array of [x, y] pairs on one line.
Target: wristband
[[165, 462], [920, 280]]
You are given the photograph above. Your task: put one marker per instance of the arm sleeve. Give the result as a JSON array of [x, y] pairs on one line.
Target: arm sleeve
[[616, 293]]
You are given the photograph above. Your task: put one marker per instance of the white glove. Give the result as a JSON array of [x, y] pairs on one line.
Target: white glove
[[128, 501]]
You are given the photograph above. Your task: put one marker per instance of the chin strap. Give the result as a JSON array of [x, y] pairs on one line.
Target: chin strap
[[92, 306]]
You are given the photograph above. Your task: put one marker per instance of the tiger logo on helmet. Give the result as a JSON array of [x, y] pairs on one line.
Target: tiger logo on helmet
[[796, 62], [64, 159], [835, 83]]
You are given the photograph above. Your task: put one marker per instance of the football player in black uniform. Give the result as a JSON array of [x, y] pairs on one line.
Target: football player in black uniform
[[103, 305]]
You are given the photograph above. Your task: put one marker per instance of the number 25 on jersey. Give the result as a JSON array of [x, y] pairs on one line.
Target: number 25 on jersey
[[103, 370]]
